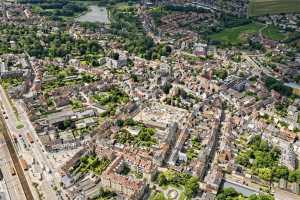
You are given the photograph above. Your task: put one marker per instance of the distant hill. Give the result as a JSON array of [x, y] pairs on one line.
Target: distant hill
[[263, 7]]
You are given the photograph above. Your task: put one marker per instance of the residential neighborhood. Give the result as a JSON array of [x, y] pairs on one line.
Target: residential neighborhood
[[157, 100]]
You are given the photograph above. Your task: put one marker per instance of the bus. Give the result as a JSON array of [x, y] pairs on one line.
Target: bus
[[29, 137], [24, 164], [12, 170]]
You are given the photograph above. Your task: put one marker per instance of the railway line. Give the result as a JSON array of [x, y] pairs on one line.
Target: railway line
[[16, 162]]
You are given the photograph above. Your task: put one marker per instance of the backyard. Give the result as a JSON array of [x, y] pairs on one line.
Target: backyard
[[193, 151], [90, 163], [11, 82], [110, 99], [144, 138]]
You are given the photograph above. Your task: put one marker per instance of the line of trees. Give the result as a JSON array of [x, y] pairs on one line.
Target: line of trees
[[127, 25]]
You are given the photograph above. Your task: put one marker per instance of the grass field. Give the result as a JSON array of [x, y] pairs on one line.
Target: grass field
[[263, 7], [236, 35], [273, 33]]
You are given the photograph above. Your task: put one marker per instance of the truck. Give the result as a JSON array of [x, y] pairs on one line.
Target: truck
[[24, 164], [29, 137]]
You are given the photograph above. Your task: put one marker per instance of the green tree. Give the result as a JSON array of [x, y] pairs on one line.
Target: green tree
[[294, 176], [265, 173], [243, 159], [120, 122], [124, 137], [130, 122], [61, 75], [281, 172], [166, 88], [162, 180], [227, 194], [191, 187]]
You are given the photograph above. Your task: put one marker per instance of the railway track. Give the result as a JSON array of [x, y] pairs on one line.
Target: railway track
[[15, 159]]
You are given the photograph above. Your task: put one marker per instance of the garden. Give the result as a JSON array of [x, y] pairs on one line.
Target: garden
[[11, 82], [193, 151], [144, 138], [262, 159], [186, 184], [63, 80], [91, 164], [110, 99]]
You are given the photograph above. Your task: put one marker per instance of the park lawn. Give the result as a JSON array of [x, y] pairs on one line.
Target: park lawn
[[273, 33], [264, 7], [236, 35]]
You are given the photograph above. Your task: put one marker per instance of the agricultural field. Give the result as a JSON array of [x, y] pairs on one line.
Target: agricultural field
[[264, 7], [236, 35]]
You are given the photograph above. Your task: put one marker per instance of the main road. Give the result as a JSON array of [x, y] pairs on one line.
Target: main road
[[11, 183], [33, 150], [16, 162]]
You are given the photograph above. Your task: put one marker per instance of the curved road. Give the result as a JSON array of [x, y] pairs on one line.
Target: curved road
[[260, 31]]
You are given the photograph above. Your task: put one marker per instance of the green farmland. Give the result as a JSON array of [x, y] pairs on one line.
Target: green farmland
[[236, 35], [273, 33], [264, 7]]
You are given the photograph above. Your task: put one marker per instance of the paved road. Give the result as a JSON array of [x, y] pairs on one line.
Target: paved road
[[41, 155], [16, 162], [33, 150], [11, 183], [260, 31]]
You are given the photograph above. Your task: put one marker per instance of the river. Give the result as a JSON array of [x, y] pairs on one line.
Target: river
[[95, 14]]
